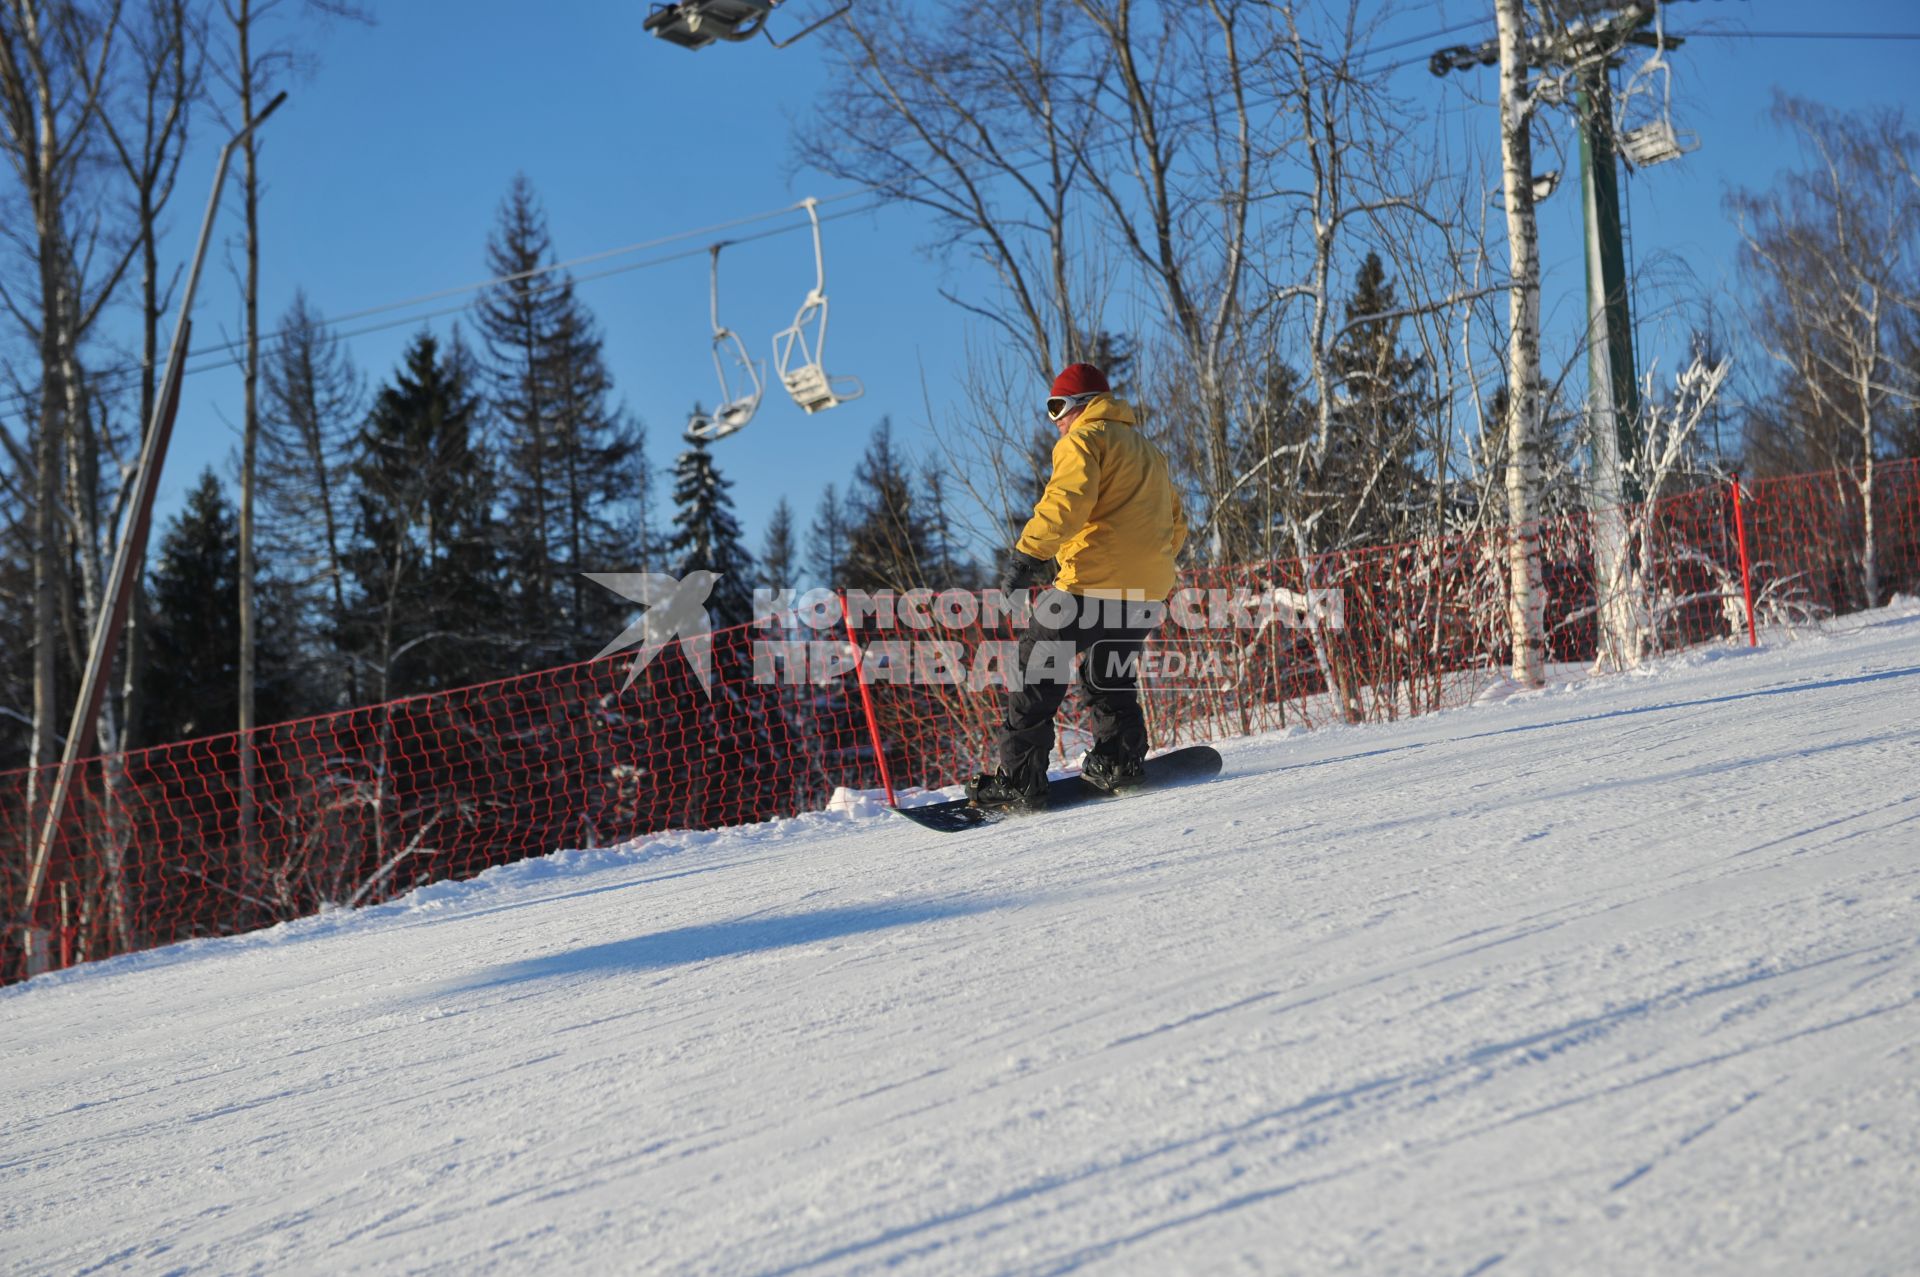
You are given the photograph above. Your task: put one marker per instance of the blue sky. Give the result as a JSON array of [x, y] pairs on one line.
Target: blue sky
[[387, 165]]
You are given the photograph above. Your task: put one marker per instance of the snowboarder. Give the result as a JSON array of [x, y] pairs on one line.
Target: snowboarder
[[1111, 519]]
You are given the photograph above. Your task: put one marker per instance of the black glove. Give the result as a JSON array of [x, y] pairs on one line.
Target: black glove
[[1020, 571]]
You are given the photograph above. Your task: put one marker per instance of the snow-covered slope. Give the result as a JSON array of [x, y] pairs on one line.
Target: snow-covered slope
[[1621, 977]]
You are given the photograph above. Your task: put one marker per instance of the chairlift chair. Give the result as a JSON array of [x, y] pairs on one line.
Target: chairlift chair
[[800, 349], [1657, 141], [734, 411]]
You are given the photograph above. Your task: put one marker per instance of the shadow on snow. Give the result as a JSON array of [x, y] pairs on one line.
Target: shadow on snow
[[684, 946]]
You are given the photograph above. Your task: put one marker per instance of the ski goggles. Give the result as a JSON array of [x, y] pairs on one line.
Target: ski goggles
[[1059, 406]]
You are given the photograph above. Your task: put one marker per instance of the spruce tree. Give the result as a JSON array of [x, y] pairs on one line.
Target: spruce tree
[[595, 447], [827, 540], [637, 531], [1373, 462], [189, 678], [194, 594], [1259, 515], [944, 570], [313, 399], [887, 546], [425, 559], [778, 556], [565, 449], [707, 536], [520, 319]]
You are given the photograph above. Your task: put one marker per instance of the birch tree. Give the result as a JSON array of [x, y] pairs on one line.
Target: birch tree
[[1833, 257], [148, 132], [56, 58], [250, 71], [1666, 453], [1526, 598], [1120, 167], [248, 77], [980, 116]]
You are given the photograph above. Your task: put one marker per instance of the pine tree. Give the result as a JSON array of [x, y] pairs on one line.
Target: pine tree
[[707, 536], [425, 559]]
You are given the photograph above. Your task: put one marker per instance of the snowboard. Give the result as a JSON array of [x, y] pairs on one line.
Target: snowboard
[[1195, 762]]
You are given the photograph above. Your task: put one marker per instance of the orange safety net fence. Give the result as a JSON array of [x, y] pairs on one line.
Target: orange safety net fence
[[230, 833]]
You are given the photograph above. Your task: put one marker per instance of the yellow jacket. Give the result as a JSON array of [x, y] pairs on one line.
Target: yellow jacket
[[1110, 513]]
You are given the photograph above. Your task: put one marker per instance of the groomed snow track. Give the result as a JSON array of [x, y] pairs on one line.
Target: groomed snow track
[[1621, 977]]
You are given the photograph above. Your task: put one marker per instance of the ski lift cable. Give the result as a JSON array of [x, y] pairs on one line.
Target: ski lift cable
[[695, 232], [128, 371], [1797, 35], [587, 259], [334, 326], [701, 231]]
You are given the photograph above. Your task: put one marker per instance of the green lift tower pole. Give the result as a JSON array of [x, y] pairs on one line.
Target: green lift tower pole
[[1613, 401], [1589, 49], [1613, 389]]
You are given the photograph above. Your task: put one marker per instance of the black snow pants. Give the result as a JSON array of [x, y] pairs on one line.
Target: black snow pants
[[1106, 634]]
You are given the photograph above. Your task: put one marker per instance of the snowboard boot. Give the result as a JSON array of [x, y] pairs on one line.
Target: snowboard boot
[[997, 790], [1109, 774]]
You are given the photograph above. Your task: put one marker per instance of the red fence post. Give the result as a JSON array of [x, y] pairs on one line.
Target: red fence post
[[866, 701], [1746, 565]]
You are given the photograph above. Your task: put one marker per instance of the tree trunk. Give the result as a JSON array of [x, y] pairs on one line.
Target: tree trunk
[[1868, 365], [1869, 561], [1526, 602], [249, 429]]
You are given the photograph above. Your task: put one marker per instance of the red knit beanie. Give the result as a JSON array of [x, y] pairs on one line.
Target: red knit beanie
[[1079, 379]]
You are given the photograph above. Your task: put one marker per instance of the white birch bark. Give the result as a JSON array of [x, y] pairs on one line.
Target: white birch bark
[[1526, 607]]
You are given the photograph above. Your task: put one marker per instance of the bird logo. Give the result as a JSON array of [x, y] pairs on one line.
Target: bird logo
[[674, 608]]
